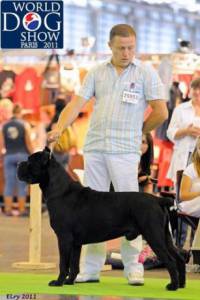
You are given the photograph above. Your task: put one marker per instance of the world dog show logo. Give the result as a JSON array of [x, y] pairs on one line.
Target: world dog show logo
[[31, 24]]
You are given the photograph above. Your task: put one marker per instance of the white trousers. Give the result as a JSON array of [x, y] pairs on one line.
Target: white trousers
[[122, 170]]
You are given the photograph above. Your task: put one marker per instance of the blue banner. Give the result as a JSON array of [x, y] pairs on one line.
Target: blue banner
[[31, 24]]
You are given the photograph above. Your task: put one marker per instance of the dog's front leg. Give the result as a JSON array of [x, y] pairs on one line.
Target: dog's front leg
[[65, 246], [74, 264]]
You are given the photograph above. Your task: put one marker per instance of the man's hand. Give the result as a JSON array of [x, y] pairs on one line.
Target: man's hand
[[157, 116]]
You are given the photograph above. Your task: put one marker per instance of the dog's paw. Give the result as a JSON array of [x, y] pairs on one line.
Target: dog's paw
[[182, 281], [55, 283], [172, 287], [69, 281], [182, 285]]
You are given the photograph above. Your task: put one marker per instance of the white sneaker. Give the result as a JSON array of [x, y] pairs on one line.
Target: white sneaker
[[81, 278], [135, 279]]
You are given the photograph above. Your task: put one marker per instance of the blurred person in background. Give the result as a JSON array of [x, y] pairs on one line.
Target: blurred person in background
[[190, 185], [146, 160], [15, 145], [183, 131]]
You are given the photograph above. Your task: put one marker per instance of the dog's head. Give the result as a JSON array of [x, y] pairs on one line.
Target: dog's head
[[34, 170]]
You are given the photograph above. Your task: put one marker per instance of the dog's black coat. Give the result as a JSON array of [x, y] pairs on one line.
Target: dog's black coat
[[80, 215]]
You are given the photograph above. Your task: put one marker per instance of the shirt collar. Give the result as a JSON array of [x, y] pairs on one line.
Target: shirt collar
[[135, 62]]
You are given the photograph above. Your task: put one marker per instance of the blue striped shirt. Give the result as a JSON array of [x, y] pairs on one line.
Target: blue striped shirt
[[115, 125]]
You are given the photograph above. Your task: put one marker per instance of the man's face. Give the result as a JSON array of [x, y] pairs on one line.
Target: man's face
[[123, 50]]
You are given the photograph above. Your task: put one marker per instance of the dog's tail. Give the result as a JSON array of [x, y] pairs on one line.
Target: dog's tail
[[166, 202]]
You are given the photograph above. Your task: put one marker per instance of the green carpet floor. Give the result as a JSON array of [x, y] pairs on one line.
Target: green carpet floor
[[109, 286]]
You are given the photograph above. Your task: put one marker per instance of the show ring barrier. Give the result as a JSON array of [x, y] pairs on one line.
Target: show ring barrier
[[35, 233]]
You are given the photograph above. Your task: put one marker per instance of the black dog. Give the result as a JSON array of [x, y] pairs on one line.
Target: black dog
[[80, 215]]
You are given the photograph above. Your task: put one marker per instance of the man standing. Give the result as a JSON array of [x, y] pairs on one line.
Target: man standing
[[122, 86]]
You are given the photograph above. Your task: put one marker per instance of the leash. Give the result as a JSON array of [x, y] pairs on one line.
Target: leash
[[175, 207], [50, 145]]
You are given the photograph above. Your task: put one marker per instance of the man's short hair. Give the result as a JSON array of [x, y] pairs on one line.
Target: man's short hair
[[123, 30]]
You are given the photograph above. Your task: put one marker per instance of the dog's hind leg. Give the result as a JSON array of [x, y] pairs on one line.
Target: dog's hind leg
[[65, 247], [74, 264], [179, 260], [156, 240]]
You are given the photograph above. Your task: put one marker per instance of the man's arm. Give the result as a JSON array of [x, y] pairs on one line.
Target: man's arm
[[158, 115], [67, 116]]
